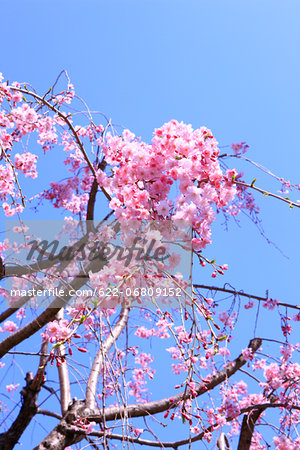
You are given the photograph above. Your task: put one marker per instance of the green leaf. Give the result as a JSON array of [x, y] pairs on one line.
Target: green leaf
[[253, 181], [222, 338]]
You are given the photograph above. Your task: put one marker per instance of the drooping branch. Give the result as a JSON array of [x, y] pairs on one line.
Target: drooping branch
[[3, 152], [100, 356], [63, 434], [144, 409]]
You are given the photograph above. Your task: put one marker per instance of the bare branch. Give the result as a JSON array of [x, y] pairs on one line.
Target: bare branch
[[223, 443], [101, 354], [247, 429], [45, 412], [63, 372], [29, 394], [266, 193]]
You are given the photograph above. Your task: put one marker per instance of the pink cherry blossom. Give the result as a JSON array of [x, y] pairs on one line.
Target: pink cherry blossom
[[12, 387], [9, 326]]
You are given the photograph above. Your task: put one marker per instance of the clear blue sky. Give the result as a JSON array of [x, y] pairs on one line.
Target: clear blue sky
[[229, 65]]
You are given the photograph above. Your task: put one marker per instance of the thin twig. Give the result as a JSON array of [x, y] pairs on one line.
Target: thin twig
[[266, 193], [243, 294]]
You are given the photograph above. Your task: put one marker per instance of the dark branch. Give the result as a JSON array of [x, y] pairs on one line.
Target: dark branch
[[29, 408], [242, 294], [247, 429]]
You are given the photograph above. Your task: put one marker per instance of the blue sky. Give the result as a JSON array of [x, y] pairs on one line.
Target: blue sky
[[232, 66]]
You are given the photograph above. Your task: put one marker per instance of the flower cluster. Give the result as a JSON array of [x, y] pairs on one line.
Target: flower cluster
[[26, 163], [143, 175], [56, 331], [138, 382]]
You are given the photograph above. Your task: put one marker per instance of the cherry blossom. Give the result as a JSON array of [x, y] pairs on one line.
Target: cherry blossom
[[176, 177]]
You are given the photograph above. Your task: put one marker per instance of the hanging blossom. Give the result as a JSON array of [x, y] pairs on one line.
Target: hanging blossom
[[144, 174], [139, 376], [9, 326], [6, 181], [56, 331], [285, 443]]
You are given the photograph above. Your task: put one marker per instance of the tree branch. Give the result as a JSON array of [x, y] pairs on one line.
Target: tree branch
[[247, 429], [67, 121], [243, 294], [92, 197], [223, 443], [10, 311], [266, 193], [63, 117], [2, 269], [45, 412], [63, 372], [199, 437], [100, 357], [29, 407], [144, 409], [63, 435]]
